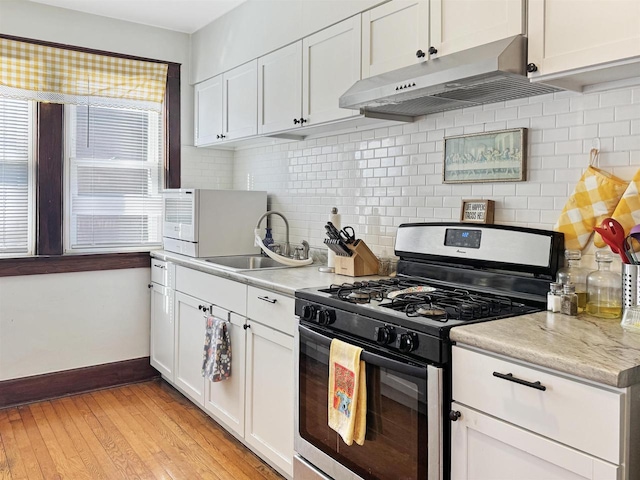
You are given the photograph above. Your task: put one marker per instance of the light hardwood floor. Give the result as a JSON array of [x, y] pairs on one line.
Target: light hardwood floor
[[147, 431]]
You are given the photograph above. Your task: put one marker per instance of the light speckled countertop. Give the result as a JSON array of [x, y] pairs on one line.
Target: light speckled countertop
[[584, 346], [281, 280]]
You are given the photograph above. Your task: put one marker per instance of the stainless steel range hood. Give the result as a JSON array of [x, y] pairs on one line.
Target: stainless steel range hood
[[490, 73]]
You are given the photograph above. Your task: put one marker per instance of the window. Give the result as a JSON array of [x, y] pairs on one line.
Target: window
[[16, 177], [113, 171], [79, 180]]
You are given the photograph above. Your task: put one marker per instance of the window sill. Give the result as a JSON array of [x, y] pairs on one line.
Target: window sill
[[42, 265]]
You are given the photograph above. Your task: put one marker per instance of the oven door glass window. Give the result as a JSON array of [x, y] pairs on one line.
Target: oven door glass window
[[396, 440]]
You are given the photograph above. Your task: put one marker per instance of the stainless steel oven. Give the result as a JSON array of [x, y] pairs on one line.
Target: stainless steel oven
[[402, 395], [448, 274]]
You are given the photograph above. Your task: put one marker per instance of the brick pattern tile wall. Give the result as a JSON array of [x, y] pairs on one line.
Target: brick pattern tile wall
[[381, 178], [205, 168]]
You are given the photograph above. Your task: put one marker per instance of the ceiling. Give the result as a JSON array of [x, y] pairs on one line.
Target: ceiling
[[180, 15]]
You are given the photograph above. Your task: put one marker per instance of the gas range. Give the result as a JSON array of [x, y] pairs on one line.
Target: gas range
[[448, 275]]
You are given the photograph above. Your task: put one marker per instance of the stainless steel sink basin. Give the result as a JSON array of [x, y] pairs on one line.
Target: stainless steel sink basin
[[239, 263]]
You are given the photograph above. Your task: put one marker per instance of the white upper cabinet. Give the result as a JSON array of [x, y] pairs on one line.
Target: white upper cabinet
[[226, 106], [280, 89], [567, 35], [331, 65], [392, 34], [208, 111], [460, 24], [240, 105]]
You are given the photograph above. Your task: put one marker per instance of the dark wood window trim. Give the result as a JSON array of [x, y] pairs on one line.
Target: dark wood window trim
[[11, 267], [49, 183], [49, 175]]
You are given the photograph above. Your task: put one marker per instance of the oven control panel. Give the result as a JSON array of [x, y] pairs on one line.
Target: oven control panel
[[379, 334]]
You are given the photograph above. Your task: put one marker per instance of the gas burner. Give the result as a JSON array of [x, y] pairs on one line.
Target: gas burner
[[427, 310], [360, 295]]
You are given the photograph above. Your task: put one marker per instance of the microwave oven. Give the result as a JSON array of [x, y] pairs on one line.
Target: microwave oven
[[210, 223]]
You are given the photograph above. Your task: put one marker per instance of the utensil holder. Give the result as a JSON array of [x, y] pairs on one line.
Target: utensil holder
[[630, 285], [362, 262]]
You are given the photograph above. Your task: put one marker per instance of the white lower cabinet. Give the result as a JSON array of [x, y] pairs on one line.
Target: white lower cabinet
[[256, 403], [269, 385], [516, 421], [161, 343], [485, 448], [269, 405], [189, 341], [224, 400]]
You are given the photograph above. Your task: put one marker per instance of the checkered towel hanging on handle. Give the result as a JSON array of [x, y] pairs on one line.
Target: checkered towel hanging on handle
[[594, 198], [628, 210]]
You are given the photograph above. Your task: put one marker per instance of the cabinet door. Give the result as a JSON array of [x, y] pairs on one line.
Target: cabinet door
[[208, 111], [460, 24], [280, 89], [190, 333], [392, 34], [569, 34], [485, 448], [240, 105], [224, 400], [162, 330], [331, 65], [269, 390]]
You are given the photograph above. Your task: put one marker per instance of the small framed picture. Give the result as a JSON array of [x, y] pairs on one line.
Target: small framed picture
[[498, 156], [477, 211]]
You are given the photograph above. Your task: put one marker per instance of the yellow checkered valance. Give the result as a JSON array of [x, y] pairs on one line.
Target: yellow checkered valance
[[58, 75]]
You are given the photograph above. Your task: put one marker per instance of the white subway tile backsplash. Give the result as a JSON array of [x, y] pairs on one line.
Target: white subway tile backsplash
[[599, 115], [382, 177]]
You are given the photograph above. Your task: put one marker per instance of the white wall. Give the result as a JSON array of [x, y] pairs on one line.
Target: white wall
[[64, 321], [383, 177], [61, 321]]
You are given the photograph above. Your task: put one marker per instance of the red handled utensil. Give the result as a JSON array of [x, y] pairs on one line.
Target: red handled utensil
[[613, 235]]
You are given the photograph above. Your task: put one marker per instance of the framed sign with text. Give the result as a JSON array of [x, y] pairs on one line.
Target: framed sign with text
[[477, 211]]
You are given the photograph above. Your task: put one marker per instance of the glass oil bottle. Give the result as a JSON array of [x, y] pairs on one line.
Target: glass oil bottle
[[604, 289]]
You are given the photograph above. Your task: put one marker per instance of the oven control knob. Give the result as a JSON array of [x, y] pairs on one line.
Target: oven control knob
[[308, 312], [407, 342], [326, 317], [383, 335]]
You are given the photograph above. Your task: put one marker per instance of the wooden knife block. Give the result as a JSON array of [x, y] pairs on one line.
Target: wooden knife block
[[362, 262]]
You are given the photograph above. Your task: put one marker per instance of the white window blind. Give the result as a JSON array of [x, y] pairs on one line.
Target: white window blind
[[16, 231], [114, 179]]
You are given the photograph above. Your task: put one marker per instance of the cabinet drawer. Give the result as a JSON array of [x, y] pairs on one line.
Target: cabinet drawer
[[160, 272], [219, 291], [582, 416], [271, 309]]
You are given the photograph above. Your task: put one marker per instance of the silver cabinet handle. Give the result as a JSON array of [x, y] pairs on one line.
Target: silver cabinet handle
[[267, 299]]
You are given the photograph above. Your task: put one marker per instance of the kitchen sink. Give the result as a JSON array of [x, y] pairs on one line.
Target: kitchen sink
[[239, 263]]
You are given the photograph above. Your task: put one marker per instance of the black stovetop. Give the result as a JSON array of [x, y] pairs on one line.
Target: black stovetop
[[428, 306]]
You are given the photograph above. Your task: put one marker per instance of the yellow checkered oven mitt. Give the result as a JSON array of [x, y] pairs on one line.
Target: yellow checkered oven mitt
[[628, 210], [594, 199]]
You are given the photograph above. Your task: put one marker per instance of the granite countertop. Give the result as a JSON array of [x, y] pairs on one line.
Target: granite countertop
[[282, 280], [584, 346]]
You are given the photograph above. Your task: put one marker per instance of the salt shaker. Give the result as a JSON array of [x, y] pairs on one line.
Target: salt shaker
[[554, 300]]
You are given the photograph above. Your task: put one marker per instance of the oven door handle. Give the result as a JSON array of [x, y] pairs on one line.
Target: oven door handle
[[369, 357]]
